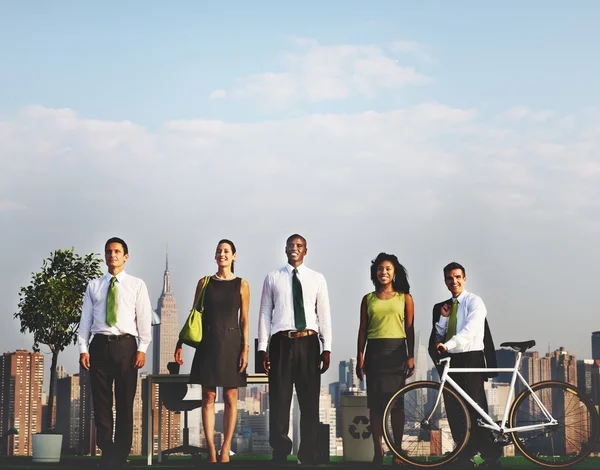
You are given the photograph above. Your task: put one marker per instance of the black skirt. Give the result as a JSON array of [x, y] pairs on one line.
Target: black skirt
[[385, 368]]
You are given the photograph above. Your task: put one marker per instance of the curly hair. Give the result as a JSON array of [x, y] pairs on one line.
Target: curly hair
[[400, 281]]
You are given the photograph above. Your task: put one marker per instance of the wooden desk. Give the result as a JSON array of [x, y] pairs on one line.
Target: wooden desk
[[147, 406]]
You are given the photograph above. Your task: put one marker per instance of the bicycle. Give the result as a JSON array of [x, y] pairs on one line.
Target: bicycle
[[552, 423]]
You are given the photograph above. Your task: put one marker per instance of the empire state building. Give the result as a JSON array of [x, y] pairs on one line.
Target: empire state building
[[167, 333], [164, 340]]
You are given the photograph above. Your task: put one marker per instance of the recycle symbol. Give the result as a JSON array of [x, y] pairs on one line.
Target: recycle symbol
[[360, 427]]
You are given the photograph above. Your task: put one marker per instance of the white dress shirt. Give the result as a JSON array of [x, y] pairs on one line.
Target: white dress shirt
[[134, 311], [277, 305], [470, 324]]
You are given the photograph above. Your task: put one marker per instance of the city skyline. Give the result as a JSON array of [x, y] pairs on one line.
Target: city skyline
[[419, 352], [74, 416]]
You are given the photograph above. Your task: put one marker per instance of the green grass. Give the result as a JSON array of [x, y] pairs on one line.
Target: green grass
[[245, 460]]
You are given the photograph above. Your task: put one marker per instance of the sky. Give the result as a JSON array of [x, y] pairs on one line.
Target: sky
[[438, 131]]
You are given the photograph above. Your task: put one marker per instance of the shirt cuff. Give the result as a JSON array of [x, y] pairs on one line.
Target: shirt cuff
[[84, 348], [450, 344], [262, 346], [143, 347], [443, 321]]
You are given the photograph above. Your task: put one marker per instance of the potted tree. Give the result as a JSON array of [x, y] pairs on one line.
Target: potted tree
[[50, 308]]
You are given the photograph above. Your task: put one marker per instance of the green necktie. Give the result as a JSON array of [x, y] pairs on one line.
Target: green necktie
[[452, 321], [299, 317], [111, 303]]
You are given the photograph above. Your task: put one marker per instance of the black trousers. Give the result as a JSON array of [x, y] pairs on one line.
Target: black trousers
[[472, 383], [294, 361], [111, 361]]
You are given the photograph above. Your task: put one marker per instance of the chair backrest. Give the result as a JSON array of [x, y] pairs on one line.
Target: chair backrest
[[173, 394]]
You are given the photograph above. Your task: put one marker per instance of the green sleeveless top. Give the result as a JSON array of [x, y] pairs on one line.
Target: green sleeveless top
[[386, 317]]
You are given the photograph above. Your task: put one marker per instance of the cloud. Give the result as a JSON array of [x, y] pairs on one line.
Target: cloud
[[316, 73], [218, 94], [7, 206], [518, 113], [411, 48], [513, 164], [431, 182]]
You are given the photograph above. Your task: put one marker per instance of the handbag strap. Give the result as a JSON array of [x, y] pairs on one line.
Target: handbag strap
[[200, 298]]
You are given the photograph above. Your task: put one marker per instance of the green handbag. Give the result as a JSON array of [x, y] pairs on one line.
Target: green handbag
[[191, 333]]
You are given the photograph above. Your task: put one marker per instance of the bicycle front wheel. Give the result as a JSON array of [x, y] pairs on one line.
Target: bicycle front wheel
[[420, 435], [562, 444]]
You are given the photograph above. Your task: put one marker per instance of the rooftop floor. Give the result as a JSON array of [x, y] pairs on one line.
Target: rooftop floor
[[244, 461]]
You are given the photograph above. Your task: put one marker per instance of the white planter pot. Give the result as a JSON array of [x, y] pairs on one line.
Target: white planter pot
[[46, 447]]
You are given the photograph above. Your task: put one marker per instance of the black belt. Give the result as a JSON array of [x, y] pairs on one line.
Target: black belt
[[111, 338], [296, 334]]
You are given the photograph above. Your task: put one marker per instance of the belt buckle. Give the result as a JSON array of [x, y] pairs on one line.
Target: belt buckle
[[290, 333]]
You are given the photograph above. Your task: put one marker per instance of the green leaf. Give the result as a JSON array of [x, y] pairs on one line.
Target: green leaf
[[50, 306]]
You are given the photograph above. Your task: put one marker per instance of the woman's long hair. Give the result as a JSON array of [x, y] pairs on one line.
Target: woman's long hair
[[400, 281]]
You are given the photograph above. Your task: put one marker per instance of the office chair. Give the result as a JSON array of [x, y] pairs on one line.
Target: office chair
[[173, 395]]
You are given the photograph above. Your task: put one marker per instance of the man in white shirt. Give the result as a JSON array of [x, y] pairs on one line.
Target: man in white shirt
[[117, 312], [459, 332], [294, 321]]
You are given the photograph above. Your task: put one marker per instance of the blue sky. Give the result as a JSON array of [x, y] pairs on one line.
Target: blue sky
[[155, 61], [437, 131]]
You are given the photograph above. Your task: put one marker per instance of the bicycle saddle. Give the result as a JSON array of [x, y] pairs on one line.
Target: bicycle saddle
[[519, 346]]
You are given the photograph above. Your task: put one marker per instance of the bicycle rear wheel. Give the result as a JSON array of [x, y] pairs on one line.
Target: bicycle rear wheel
[[561, 445], [417, 441]]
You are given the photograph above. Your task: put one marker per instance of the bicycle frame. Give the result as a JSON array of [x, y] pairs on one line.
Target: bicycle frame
[[489, 422]]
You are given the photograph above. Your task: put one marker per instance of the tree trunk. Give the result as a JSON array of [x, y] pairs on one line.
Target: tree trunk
[[51, 391]]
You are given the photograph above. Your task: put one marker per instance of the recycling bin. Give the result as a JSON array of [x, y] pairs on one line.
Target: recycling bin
[[356, 429]]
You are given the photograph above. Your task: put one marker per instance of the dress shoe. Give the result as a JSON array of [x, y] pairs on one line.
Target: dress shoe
[[278, 459], [308, 460]]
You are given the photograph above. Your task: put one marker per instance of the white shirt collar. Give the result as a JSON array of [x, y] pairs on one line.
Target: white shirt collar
[[461, 297], [119, 276], [290, 268]]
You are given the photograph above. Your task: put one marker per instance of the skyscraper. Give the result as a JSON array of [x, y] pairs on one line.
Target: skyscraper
[[564, 366], [506, 358], [68, 412], [556, 365], [166, 334], [347, 372], [86, 412], [534, 368], [328, 415], [21, 381], [596, 345], [588, 378], [423, 362], [138, 419], [164, 340]]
